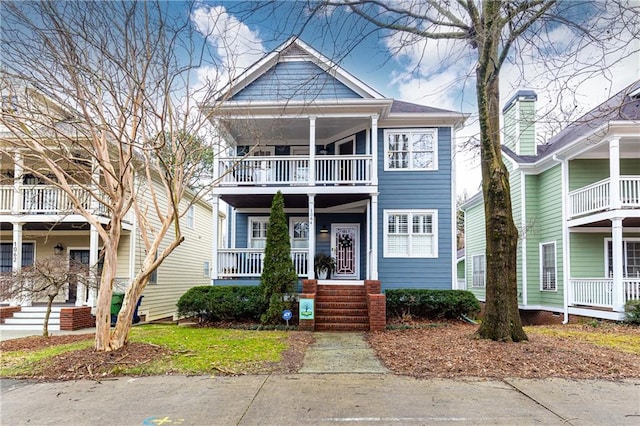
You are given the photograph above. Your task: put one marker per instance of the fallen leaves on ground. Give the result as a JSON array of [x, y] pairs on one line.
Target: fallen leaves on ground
[[450, 350]]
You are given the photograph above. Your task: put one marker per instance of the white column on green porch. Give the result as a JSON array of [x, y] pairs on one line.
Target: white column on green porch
[[312, 151], [374, 236], [17, 182], [215, 200], [312, 237], [614, 173], [374, 150], [94, 239], [616, 242]]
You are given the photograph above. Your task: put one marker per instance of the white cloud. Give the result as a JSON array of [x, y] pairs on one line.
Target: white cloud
[[237, 46]]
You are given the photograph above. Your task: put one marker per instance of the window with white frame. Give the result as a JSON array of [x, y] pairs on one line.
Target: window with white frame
[[411, 149], [630, 257], [191, 217], [258, 232], [6, 256], [477, 270], [299, 232], [548, 266], [205, 269], [410, 233]]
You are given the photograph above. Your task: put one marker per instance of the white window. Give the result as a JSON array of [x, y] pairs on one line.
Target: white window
[[548, 266], [478, 270], [258, 232], [414, 149], [299, 232], [191, 217], [410, 233], [630, 258], [205, 269]]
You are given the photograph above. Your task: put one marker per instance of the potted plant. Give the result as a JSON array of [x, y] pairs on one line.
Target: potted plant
[[324, 265]]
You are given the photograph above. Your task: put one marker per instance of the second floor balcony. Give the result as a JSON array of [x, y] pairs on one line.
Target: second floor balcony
[[599, 196], [43, 199], [288, 170]]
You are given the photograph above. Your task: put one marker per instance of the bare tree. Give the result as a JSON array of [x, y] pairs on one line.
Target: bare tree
[[45, 279], [107, 95], [498, 31]]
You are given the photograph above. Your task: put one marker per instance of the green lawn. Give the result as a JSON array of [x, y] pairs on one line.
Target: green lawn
[[627, 342], [195, 351]]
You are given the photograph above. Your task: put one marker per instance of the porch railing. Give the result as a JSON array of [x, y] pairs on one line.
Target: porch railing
[[294, 170], [598, 292], [248, 263], [597, 196]]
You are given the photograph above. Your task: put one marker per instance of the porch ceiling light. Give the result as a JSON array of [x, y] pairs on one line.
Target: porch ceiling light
[[58, 248], [324, 229]]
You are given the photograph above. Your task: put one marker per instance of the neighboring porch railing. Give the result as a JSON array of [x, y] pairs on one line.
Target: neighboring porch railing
[[598, 292], [596, 197], [248, 263], [294, 170]]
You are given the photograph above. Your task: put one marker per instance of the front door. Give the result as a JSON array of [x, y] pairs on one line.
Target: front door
[[82, 257], [345, 244]]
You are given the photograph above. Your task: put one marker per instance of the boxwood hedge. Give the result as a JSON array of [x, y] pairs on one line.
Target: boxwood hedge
[[431, 304], [222, 303]]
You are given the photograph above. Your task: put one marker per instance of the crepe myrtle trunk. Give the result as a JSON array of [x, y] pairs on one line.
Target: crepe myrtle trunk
[[103, 305], [501, 317]]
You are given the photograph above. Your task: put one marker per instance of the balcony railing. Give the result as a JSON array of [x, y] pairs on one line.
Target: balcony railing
[[248, 263], [46, 199], [294, 170], [598, 292], [597, 196]]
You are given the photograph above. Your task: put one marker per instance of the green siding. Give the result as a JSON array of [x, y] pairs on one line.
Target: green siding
[[510, 129], [516, 208], [544, 225], [630, 166], [460, 269], [587, 254], [586, 172], [527, 128], [475, 245]]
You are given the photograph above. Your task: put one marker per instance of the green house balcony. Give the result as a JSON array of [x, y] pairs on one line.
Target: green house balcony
[[601, 292], [599, 197], [293, 170]]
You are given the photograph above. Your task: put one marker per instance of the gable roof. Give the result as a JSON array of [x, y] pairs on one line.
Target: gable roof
[[623, 106], [295, 49]]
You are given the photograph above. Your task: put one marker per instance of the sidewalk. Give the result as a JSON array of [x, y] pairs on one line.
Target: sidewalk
[[16, 334]]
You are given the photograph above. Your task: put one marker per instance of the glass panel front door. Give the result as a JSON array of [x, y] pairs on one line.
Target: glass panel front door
[[345, 243]]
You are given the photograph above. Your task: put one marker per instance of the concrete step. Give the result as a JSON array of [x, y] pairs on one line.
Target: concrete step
[[40, 315], [341, 327], [30, 321], [40, 308]]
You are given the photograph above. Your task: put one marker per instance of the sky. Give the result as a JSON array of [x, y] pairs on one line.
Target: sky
[[438, 74]]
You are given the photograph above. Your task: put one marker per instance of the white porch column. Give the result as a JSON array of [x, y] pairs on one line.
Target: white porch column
[[17, 182], [374, 150], [312, 151], [616, 242], [215, 201], [94, 240], [374, 237], [614, 173], [16, 264], [312, 237], [368, 228]]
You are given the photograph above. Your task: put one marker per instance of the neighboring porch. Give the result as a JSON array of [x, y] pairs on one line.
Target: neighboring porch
[[601, 294], [606, 194]]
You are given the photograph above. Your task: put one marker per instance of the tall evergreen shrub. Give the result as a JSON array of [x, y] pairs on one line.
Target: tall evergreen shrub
[[278, 275]]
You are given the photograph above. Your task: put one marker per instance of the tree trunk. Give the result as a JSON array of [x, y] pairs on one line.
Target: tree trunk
[[103, 306], [501, 317], [120, 334], [45, 327]]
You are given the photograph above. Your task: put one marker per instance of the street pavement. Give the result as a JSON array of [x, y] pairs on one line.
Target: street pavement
[[341, 382]]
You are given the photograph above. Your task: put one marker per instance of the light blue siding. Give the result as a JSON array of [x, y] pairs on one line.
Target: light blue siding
[[418, 190], [295, 81]]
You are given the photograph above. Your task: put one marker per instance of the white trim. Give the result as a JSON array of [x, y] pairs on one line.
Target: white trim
[[566, 238], [523, 224], [190, 217], [293, 219], [454, 214], [434, 162], [344, 141], [410, 213], [541, 265], [625, 262]]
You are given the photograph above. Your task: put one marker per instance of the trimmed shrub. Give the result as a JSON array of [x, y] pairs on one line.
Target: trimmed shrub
[[632, 309], [222, 303], [432, 304]]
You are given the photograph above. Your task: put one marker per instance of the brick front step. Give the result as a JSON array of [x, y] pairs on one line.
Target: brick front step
[[351, 319], [341, 292], [334, 299], [349, 312], [342, 327]]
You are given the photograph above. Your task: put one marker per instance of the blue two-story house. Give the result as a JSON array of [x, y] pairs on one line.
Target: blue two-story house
[[366, 179]]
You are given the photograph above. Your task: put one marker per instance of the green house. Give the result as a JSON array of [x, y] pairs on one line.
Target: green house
[[576, 203]]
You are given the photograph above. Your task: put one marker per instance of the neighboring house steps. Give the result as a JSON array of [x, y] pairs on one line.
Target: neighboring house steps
[[341, 308], [32, 318]]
